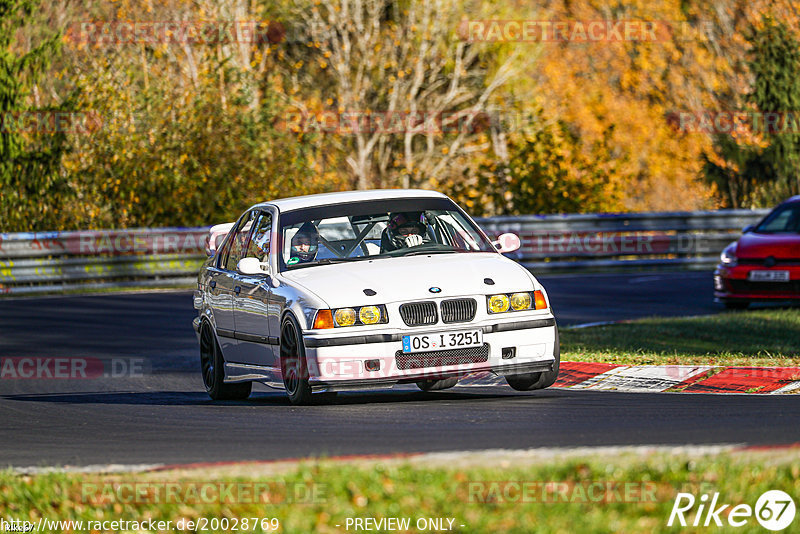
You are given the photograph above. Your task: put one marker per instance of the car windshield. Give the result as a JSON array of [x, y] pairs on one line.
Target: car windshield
[[783, 220], [376, 229]]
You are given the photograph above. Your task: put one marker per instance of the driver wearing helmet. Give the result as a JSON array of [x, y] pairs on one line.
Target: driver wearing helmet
[[405, 230], [304, 245]]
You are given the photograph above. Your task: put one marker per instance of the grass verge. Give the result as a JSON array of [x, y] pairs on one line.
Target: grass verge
[[631, 492], [758, 338]]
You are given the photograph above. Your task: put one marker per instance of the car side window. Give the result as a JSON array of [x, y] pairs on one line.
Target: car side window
[[786, 220], [259, 242], [238, 242], [222, 253]]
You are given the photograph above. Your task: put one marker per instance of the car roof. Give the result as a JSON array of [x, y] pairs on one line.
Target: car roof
[[343, 197]]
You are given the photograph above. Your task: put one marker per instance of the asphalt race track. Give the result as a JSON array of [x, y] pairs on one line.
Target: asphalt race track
[[162, 415]]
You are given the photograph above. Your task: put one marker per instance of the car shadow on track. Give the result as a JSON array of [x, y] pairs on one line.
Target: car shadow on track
[[394, 397], [166, 398], [182, 398]]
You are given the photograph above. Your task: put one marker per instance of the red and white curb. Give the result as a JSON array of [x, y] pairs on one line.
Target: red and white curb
[[668, 378]]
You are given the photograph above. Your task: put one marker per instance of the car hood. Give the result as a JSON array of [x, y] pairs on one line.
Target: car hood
[[781, 246], [410, 278]]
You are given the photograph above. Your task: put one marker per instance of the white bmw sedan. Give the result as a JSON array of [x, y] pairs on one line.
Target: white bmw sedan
[[365, 290]]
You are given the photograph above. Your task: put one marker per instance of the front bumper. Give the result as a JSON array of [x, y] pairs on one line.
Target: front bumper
[[323, 384], [340, 362], [733, 284]]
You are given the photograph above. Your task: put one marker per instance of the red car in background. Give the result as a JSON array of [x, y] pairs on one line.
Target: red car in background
[[764, 264]]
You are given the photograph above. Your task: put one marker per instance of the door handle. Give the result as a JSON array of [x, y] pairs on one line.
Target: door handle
[[237, 289], [213, 284]]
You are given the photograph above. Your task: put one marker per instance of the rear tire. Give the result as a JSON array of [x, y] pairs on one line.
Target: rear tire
[[212, 367], [293, 363], [544, 379], [437, 385]]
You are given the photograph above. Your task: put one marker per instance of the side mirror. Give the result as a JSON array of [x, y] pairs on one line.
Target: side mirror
[[252, 266], [748, 228], [507, 243]]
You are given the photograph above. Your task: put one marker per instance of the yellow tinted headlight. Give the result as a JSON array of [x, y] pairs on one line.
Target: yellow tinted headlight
[[369, 314], [345, 317], [498, 303], [520, 301]]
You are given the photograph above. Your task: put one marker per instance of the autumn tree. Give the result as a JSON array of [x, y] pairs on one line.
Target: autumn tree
[[400, 59], [192, 132], [766, 171], [32, 186], [188, 130]]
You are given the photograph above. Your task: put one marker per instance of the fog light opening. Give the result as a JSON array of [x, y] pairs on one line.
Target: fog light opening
[[508, 352], [373, 365]]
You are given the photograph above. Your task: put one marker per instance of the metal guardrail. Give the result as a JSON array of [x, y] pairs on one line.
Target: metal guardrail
[[164, 257], [62, 261], [611, 242]]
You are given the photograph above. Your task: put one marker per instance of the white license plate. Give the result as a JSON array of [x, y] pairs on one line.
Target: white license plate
[[443, 341], [768, 276]]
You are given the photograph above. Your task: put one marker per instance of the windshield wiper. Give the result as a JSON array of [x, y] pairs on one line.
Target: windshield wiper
[[325, 261], [426, 252]]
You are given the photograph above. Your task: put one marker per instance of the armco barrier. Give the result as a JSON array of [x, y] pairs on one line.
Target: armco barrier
[[162, 257], [55, 261], [603, 242]]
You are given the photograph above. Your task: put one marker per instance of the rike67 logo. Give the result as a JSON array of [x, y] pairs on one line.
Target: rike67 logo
[[774, 510]]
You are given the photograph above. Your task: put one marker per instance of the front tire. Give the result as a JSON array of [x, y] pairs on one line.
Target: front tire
[[544, 379], [212, 367], [293, 363]]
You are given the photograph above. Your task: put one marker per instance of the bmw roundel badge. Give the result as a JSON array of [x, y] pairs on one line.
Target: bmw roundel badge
[[435, 290]]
